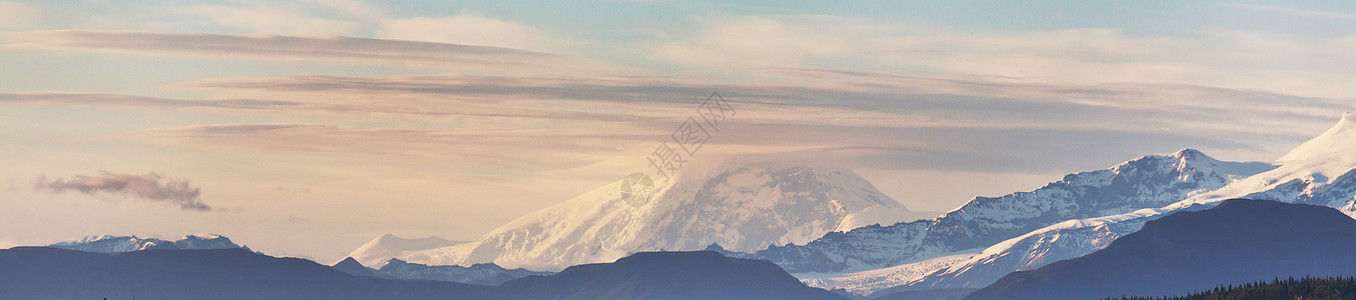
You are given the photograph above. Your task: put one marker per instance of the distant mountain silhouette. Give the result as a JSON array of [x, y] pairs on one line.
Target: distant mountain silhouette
[[1237, 242], [482, 274], [937, 294], [51, 273], [668, 275], [353, 267]]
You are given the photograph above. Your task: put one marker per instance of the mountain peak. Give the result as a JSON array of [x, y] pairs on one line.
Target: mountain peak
[[353, 267], [743, 207], [348, 261], [1341, 138], [204, 236], [1189, 153]]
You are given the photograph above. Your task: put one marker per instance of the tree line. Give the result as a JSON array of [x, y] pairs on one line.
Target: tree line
[[1307, 288]]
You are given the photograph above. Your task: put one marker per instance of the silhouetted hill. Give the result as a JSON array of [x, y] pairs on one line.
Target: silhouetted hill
[[353, 267], [51, 273], [668, 275], [937, 294], [1236, 242]]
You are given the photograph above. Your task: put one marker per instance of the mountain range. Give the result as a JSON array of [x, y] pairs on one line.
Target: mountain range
[[835, 230], [1236, 242], [1319, 171], [482, 274], [116, 244], [1148, 182], [53, 273], [668, 275]]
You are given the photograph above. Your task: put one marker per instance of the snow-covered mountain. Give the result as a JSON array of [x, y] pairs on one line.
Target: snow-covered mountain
[[743, 209], [1147, 182], [1321, 171], [386, 246], [118, 244]]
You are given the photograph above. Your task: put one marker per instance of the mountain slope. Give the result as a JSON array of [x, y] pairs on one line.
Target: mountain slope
[[387, 246], [872, 282], [1309, 174], [116, 244], [744, 208], [52, 273], [1236, 242], [667, 275], [1148, 182]]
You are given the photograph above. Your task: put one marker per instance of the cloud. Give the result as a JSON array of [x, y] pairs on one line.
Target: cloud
[[535, 123], [526, 123], [472, 29], [742, 46], [497, 151], [329, 50], [72, 98], [151, 186], [357, 18], [863, 128], [353, 8], [353, 18], [271, 19], [1294, 11], [858, 98], [18, 16]]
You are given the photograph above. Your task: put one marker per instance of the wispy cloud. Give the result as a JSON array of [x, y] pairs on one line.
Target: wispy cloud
[[531, 124], [151, 186], [330, 50], [358, 18], [752, 45], [473, 29], [73, 98], [506, 151], [1295, 11], [271, 19]]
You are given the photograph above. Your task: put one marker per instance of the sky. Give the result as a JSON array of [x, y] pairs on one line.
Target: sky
[[307, 128]]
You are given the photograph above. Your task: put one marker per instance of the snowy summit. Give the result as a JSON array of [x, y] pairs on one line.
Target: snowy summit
[[742, 209]]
